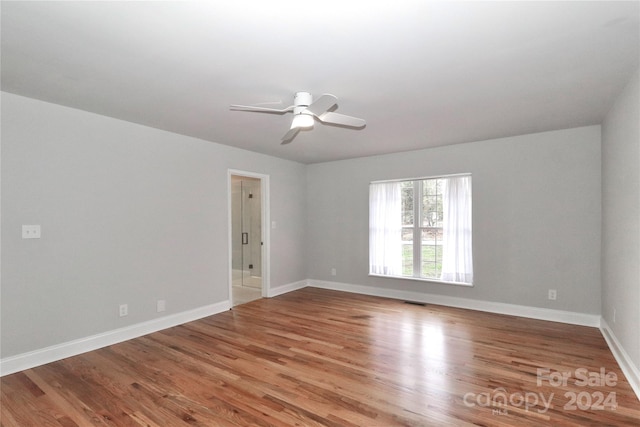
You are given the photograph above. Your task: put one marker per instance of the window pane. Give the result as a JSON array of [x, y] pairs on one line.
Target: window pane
[[428, 264], [407, 203], [439, 258], [429, 211], [432, 211], [407, 259], [429, 187], [429, 270], [437, 214], [431, 261], [431, 236], [407, 232], [431, 251]]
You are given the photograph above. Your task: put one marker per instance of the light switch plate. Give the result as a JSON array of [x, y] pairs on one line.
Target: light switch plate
[[30, 231]]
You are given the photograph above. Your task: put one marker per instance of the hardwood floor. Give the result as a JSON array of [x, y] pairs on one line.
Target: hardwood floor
[[323, 358]]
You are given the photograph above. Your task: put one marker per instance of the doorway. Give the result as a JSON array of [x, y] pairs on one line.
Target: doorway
[[247, 238]]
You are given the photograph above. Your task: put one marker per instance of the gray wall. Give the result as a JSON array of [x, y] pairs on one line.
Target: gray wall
[[621, 219], [132, 214], [536, 213], [129, 214]]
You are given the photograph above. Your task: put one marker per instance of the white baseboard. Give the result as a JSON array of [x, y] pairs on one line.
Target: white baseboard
[[39, 357], [274, 292], [629, 369], [492, 307]]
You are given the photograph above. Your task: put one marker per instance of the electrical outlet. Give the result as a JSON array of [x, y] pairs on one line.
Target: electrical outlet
[[333, 272], [124, 310], [161, 305], [614, 315], [30, 231], [552, 294]]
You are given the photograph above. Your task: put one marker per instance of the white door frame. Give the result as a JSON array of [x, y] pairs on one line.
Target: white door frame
[[265, 211]]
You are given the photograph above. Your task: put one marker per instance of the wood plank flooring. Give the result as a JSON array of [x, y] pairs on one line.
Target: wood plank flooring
[[323, 358]]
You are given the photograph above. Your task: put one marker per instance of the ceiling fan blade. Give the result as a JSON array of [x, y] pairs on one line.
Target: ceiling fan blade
[[341, 119], [322, 104], [288, 137], [261, 109]]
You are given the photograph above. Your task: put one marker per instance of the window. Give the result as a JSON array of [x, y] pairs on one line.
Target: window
[[421, 229]]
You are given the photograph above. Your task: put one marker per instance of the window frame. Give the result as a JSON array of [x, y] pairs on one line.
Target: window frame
[[417, 232]]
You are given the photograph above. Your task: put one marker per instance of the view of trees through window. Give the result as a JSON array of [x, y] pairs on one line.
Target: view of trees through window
[[422, 228]]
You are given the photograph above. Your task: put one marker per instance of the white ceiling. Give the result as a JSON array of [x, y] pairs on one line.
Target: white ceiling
[[422, 74]]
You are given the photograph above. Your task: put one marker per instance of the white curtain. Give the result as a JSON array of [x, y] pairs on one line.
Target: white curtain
[[457, 259], [385, 229]]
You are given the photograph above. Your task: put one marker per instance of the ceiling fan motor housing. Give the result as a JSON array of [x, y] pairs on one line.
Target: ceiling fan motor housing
[[302, 99]]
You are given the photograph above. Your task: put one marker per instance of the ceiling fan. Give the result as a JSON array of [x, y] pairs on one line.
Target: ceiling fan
[[305, 109]]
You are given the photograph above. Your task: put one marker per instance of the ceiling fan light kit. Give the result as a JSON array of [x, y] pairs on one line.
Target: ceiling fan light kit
[[302, 121], [305, 109]]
